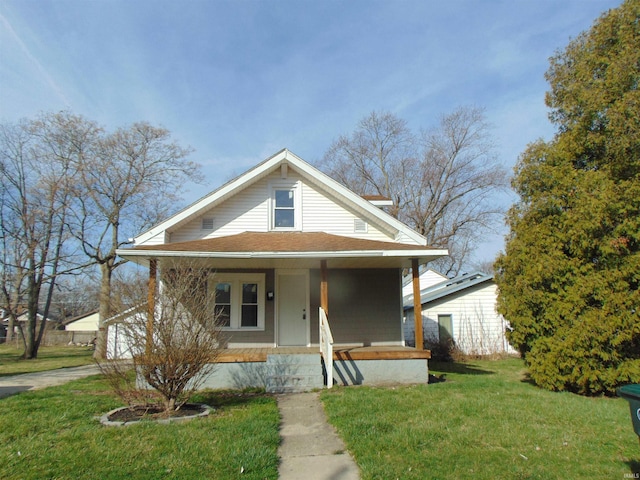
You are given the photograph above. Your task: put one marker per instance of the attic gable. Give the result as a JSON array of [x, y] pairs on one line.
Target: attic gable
[[283, 165]]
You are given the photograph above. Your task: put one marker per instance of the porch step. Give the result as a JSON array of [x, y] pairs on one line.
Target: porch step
[[293, 373]]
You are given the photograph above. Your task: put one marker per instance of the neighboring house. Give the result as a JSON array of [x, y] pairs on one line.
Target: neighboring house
[[462, 309], [87, 322], [84, 327], [427, 278], [286, 245], [21, 322], [118, 344]]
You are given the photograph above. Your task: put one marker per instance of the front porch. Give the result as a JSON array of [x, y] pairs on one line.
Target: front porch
[[292, 369], [242, 355]]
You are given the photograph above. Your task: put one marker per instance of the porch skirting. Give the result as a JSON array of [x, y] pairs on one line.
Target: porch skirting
[[247, 368]]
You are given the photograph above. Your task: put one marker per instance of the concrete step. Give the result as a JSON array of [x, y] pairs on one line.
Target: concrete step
[[292, 373], [298, 358], [293, 383]]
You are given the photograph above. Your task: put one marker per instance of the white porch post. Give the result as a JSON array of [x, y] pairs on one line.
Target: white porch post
[[151, 303], [417, 306]]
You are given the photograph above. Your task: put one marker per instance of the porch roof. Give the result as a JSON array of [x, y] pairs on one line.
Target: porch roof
[[263, 248]]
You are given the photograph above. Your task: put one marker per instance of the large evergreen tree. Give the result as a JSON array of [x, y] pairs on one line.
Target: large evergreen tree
[[569, 278]]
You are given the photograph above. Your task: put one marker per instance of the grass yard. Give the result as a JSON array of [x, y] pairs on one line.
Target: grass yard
[[484, 422], [49, 358], [52, 433]]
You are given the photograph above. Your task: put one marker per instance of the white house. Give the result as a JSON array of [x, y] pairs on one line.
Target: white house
[[119, 344], [462, 309], [288, 246], [427, 278], [84, 327], [87, 322]]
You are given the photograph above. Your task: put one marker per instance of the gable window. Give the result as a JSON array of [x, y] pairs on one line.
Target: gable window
[[285, 206], [238, 300], [284, 209]]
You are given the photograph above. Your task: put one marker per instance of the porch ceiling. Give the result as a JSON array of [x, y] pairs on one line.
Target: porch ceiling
[[288, 250]]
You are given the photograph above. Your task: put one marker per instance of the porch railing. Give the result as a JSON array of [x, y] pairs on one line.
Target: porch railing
[[326, 346]]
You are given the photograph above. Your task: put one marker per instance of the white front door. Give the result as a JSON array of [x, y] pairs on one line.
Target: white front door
[[292, 296]]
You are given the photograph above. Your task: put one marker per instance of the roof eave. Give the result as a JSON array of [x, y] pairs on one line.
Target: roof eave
[[430, 254]]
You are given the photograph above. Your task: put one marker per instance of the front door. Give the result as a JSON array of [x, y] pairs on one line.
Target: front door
[[293, 310]]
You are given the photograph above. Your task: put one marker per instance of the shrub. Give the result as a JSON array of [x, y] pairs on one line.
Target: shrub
[[174, 350]]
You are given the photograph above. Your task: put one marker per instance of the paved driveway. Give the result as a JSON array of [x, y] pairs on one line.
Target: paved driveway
[[34, 381]]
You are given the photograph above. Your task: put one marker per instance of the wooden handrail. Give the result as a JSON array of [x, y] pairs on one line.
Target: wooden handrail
[[326, 345]]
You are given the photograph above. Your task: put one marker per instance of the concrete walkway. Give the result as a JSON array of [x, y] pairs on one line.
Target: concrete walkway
[[310, 447], [34, 381]]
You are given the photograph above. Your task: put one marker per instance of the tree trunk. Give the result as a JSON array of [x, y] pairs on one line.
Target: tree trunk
[[11, 327], [104, 311], [31, 347]]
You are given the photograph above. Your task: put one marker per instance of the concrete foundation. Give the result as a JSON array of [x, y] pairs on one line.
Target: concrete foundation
[[380, 372], [346, 372]]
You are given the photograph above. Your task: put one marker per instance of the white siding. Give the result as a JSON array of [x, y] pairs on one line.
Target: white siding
[[246, 211], [86, 324], [249, 210], [117, 344], [322, 214], [427, 279], [477, 327], [157, 239]]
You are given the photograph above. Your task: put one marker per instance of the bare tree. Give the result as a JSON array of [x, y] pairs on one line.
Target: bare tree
[[177, 348], [76, 295], [37, 169], [130, 182], [68, 185], [443, 182]]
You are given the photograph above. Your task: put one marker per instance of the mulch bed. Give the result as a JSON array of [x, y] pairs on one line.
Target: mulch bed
[[154, 412]]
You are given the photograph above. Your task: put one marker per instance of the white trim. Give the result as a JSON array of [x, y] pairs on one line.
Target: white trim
[[317, 254], [381, 203], [236, 279], [282, 185]]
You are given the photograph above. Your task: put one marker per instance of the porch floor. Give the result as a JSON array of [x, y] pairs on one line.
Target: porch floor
[[241, 355]]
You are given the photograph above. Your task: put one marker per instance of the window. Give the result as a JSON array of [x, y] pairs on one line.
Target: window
[[249, 311], [286, 206], [222, 307], [284, 210], [445, 328], [238, 300]]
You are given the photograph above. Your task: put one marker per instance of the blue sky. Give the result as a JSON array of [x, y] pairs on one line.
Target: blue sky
[[240, 80]]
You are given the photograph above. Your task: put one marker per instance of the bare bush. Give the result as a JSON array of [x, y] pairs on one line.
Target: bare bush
[[175, 347], [478, 336]]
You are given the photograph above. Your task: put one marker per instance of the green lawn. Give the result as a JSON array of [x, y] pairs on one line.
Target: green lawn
[[484, 422], [49, 358], [52, 433]]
